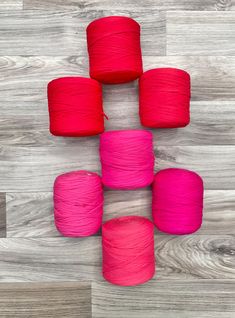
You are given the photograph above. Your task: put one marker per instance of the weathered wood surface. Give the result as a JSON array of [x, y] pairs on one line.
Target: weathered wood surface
[[6, 5], [200, 33], [35, 168], [132, 5], [160, 299], [195, 274], [50, 32], [20, 300], [49, 300], [2, 215], [63, 259], [31, 214]]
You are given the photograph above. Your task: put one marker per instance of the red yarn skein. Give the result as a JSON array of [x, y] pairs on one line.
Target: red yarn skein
[[128, 250], [114, 49], [164, 98], [75, 107]]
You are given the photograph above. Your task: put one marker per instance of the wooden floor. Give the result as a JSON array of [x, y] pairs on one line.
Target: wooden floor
[[45, 275]]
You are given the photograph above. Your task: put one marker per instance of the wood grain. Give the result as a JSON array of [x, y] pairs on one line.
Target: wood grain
[[6, 5], [49, 259], [160, 299], [130, 4], [24, 78], [2, 215], [31, 214], [49, 300], [24, 115], [52, 33], [200, 33], [63, 259], [212, 123], [27, 169], [215, 164]]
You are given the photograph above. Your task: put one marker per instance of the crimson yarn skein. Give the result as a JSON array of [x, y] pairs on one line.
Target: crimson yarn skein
[[127, 159], [177, 201], [114, 50], [75, 107], [128, 250], [78, 203], [164, 98]]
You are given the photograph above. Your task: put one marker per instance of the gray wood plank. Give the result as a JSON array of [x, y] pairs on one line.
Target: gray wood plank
[[50, 32], [35, 168], [200, 33], [24, 78], [160, 299], [130, 4], [49, 300], [11, 5], [49, 259], [212, 77], [215, 164], [31, 214], [63, 259], [2, 215], [24, 115], [31, 169], [212, 123]]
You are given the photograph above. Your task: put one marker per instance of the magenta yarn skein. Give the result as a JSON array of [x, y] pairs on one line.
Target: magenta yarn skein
[[78, 203], [177, 201], [127, 159]]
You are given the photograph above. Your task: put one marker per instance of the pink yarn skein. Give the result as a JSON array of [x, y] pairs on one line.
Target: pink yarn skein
[[177, 201], [128, 250], [127, 159], [78, 203]]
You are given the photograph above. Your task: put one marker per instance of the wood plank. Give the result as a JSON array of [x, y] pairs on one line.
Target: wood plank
[[215, 164], [31, 214], [63, 259], [49, 259], [24, 115], [31, 169], [212, 77], [35, 168], [52, 33], [2, 215], [160, 299], [212, 123], [11, 5], [60, 300], [200, 33], [130, 5], [24, 78]]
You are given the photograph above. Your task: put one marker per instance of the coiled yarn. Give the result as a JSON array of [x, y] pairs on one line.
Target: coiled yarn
[[164, 98], [177, 201], [114, 49], [128, 250], [75, 107], [127, 159], [78, 203]]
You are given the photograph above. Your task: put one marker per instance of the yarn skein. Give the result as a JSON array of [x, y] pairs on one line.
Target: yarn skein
[[128, 250], [114, 50], [78, 203], [127, 159], [75, 107], [164, 98], [177, 201]]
